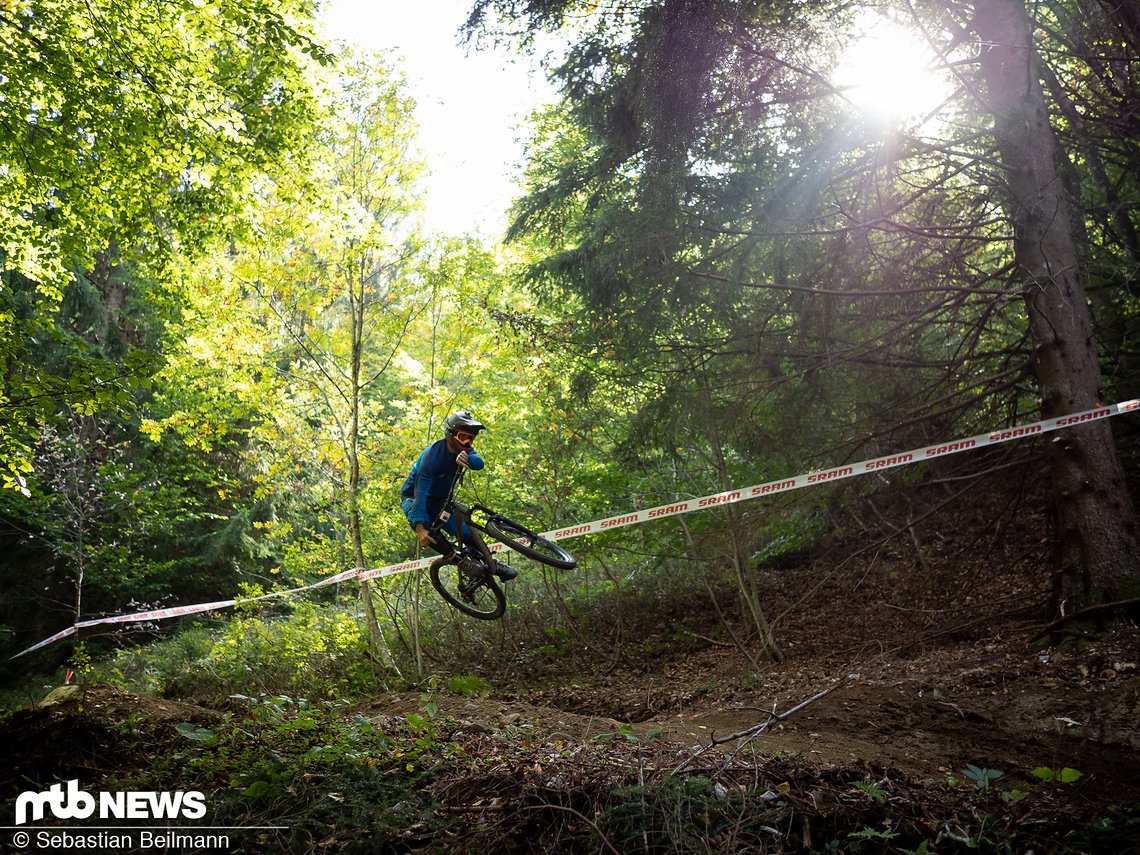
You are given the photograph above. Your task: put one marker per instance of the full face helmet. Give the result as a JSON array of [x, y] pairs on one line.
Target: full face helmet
[[462, 422]]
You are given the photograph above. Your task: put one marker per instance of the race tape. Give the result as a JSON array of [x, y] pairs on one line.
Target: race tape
[[826, 476], [770, 488], [181, 611]]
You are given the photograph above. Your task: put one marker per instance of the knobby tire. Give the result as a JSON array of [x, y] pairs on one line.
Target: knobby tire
[[521, 539], [478, 596]]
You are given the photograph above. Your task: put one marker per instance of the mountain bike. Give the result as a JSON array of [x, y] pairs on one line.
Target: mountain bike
[[465, 581]]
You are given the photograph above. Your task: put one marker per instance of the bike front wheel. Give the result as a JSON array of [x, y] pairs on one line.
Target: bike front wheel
[[521, 539], [472, 591]]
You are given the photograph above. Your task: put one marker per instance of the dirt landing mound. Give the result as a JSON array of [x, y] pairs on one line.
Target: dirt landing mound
[[993, 705]]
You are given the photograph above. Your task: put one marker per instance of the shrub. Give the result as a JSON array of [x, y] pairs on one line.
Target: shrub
[[317, 651]]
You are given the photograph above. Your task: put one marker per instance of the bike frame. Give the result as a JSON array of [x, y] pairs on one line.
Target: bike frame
[[466, 587], [453, 506]]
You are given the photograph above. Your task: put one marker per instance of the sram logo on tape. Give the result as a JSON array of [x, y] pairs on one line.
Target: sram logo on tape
[[719, 499], [400, 568], [668, 510], [951, 447], [616, 521], [830, 474], [1014, 433], [888, 462], [1084, 417], [571, 532], [772, 487]]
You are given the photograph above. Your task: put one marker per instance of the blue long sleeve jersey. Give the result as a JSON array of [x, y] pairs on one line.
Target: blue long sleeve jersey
[[430, 480]]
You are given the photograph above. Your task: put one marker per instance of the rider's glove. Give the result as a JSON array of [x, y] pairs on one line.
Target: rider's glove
[[461, 459]]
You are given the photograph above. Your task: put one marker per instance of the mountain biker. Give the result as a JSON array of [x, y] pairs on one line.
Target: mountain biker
[[429, 484]]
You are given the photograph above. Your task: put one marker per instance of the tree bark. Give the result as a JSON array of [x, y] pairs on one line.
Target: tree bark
[[1097, 536], [111, 328], [745, 574], [377, 644]]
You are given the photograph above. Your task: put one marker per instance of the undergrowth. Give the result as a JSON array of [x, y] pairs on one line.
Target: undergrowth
[[291, 750], [326, 777], [312, 770], [320, 650], [315, 651]]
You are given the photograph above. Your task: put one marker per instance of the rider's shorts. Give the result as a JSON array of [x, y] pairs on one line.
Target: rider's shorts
[[451, 526]]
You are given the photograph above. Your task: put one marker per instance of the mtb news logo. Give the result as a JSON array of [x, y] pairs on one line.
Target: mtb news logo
[[74, 803]]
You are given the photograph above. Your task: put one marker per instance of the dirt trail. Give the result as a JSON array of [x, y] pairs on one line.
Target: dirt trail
[[906, 725], [994, 705]]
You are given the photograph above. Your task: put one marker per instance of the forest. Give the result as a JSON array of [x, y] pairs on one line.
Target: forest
[[735, 258]]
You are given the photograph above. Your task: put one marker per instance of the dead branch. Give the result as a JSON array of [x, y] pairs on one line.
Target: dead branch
[[580, 816], [773, 718], [756, 730], [697, 635], [1085, 612]]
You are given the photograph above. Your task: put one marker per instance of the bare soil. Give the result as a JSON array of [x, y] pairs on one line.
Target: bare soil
[[996, 704]]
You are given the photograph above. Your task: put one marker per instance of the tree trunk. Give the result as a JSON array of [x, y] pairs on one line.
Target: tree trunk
[[749, 593], [377, 644], [745, 575], [111, 329], [1097, 534]]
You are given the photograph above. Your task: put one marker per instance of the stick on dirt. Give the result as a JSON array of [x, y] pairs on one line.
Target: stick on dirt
[[773, 718]]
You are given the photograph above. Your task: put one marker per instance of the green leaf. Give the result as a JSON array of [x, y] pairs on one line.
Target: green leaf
[[981, 777], [1066, 775], [257, 789], [191, 731]]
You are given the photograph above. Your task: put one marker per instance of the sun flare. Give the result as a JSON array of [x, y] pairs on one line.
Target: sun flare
[[889, 73]]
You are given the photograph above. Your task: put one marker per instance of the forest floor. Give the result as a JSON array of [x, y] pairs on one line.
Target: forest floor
[[993, 704], [946, 726]]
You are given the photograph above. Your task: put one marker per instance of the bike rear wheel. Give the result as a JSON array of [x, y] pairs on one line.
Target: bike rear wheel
[[521, 539], [471, 590]]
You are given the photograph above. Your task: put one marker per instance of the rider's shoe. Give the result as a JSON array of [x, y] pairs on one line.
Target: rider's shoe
[[505, 572], [471, 565]]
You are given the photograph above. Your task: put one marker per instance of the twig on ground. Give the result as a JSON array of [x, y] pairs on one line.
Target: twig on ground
[[706, 638], [755, 730], [1083, 613], [581, 816], [773, 718]]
